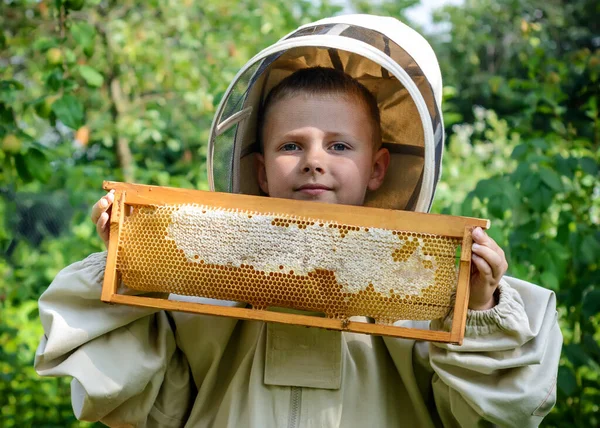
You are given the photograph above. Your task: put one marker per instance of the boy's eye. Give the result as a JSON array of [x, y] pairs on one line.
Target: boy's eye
[[288, 147], [339, 147]]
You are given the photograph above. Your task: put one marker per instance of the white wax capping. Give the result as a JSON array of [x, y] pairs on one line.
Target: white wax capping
[[358, 259]]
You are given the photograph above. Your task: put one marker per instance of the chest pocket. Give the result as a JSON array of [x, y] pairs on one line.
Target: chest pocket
[[303, 357]]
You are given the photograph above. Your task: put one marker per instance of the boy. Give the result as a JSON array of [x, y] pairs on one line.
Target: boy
[[321, 141]]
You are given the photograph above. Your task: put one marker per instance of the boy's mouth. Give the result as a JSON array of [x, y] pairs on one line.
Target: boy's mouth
[[313, 189]]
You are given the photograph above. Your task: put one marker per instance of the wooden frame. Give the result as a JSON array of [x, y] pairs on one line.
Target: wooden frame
[[450, 226]]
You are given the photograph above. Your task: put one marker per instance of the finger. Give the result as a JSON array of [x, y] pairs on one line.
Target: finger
[[494, 260], [96, 211], [98, 208], [491, 243], [102, 205], [101, 224], [482, 238], [482, 266]]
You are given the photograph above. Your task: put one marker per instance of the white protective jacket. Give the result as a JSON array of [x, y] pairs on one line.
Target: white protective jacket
[[143, 368], [147, 368]]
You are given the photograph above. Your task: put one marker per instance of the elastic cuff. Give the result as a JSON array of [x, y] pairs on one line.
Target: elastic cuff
[[96, 263], [508, 315]]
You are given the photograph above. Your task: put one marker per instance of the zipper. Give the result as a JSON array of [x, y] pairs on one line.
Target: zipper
[[295, 406]]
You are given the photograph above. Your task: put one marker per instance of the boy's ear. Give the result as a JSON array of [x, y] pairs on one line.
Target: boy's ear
[[261, 172], [381, 162]]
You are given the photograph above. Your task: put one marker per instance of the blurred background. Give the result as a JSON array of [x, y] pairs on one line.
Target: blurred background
[[95, 90]]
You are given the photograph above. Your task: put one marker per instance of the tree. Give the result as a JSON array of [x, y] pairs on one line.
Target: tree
[[532, 153], [93, 90]]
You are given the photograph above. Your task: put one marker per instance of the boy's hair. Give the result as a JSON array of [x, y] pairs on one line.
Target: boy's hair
[[315, 81]]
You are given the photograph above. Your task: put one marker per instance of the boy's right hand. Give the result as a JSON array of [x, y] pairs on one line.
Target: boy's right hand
[[101, 216]]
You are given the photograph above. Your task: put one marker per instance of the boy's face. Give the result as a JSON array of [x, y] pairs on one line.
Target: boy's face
[[320, 148]]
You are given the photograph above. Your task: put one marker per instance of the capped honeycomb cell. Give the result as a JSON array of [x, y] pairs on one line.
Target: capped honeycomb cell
[[271, 260]]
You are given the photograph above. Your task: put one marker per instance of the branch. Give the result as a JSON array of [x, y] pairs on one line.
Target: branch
[[147, 97], [118, 108], [117, 96], [61, 21]]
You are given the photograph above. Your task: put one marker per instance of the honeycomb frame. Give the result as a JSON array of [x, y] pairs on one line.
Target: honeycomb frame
[[338, 261]]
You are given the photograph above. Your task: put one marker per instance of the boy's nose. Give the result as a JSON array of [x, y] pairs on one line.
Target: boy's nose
[[313, 162], [313, 168]]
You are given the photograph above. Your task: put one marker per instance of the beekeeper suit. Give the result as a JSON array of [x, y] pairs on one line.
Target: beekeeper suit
[[149, 368]]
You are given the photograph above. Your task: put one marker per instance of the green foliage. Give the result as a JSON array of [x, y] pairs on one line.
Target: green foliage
[[101, 90], [94, 90], [27, 401], [538, 67]]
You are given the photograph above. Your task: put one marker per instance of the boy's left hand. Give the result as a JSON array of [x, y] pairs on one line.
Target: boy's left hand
[[488, 265]]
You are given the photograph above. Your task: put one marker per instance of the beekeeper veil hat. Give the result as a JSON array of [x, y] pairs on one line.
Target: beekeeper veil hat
[[389, 58]]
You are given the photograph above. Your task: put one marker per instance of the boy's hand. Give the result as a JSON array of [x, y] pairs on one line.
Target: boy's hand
[[101, 216], [487, 268]]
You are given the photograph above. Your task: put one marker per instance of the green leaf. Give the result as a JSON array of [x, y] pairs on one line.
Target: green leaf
[[54, 80], [70, 56], [551, 178], [89, 50], [91, 76], [543, 258], [591, 345], [496, 234], [38, 164], [576, 355], [530, 184], [44, 43], [467, 206], [451, 118], [10, 85], [591, 303], [567, 382], [488, 188], [498, 205], [519, 151], [520, 173], [564, 166], [69, 111], [537, 159], [22, 169], [74, 4], [7, 115], [589, 165], [550, 281], [558, 126], [590, 249], [540, 144], [520, 214], [542, 199], [84, 35]]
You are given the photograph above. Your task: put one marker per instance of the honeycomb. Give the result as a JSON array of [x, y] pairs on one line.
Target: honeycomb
[[274, 260]]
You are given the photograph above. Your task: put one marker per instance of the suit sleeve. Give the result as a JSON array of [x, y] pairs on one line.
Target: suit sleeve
[[123, 360], [506, 369]]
